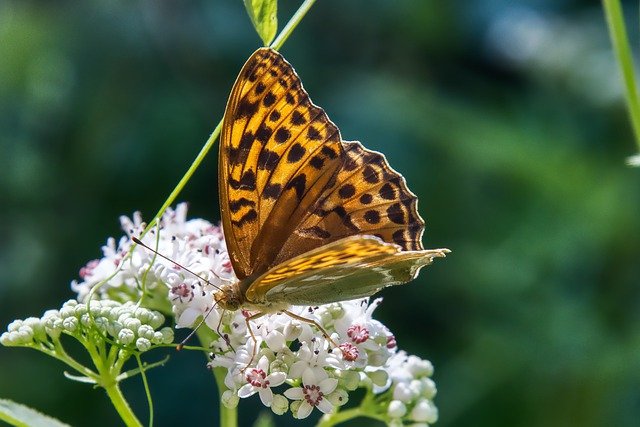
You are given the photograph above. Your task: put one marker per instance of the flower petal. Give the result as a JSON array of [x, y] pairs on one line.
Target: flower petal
[[325, 406], [266, 396], [276, 378], [304, 410], [246, 391], [294, 393], [328, 385]]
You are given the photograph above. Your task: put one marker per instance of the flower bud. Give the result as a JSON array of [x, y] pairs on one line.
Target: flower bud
[[70, 324], [143, 344], [429, 389], [230, 399], [397, 409], [349, 380], [14, 326], [338, 397], [279, 405], [167, 335], [126, 336], [134, 324], [425, 411], [144, 331], [379, 377]]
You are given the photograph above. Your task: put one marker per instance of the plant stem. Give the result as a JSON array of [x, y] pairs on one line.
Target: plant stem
[[620, 41], [121, 405], [187, 176], [340, 417], [292, 24], [228, 416]]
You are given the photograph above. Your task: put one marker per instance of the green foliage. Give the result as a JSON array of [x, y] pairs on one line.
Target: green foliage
[[519, 167], [264, 17], [23, 416]]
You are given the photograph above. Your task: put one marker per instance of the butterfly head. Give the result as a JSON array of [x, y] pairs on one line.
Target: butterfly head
[[229, 297]]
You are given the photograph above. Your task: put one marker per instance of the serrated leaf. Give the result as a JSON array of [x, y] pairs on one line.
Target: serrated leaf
[[263, 14], [19, 415]]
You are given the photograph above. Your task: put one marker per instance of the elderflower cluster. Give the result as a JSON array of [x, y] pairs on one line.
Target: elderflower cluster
[[130, 327], [286, 360]]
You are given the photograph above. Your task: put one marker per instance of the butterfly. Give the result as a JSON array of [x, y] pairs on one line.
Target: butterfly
[[308, 218]]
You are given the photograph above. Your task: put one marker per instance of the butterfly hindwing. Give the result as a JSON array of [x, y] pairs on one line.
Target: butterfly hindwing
[[353, 267], [278, 154]]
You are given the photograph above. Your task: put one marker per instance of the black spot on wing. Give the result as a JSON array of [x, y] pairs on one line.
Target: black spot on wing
[[282, 135], [366, 198], [247, 181], [269, 99], [314, 134], [297, 118], [346, 191], [236, 205], [263, 133], [370, 175], [317, 162], [272, 191], [299, 184], [387, 192], [296, 152], [372, 216], [246, 109], [329, 152], [268, 160], [395, 213], [274, 116], [250, 216]]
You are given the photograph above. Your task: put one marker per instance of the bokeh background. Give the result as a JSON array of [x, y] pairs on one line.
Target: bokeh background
[[505, 117]]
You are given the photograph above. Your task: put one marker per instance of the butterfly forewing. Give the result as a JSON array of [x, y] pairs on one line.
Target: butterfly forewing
[[278, 154], [308, 218], [354, 267]]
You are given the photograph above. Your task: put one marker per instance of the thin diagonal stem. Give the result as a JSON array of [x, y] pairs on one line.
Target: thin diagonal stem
[[292, 24], [622, 50]]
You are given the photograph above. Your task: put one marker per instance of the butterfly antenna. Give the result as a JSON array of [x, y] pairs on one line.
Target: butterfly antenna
[[139, 242], [204, 318]]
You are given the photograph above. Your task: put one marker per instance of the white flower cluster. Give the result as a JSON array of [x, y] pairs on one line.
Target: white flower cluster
[[287, 361], [128, 326]]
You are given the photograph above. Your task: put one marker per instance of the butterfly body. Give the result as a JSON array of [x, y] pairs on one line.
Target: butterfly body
[[308, 218]]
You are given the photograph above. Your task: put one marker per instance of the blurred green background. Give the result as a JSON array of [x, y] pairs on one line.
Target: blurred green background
[[506, 118]]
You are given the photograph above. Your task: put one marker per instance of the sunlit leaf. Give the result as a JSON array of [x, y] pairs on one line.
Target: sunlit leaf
[[263, 14], [16, 414]]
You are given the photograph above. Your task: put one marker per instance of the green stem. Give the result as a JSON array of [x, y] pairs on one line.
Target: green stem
[[277, 44], [187, 176], [228, 416], [620, 41], [340, 417], [121, 405], [292, 24]]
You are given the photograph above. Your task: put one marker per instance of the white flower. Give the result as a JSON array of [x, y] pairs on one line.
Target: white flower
[[257, 354], [313, 393], [259, 382]]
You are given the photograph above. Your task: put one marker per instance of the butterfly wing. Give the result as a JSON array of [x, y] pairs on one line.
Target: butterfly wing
[[368, 198], [278, 154], [349, 268]]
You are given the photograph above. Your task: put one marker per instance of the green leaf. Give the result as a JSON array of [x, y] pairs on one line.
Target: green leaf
[[263, 14], [23, 416]]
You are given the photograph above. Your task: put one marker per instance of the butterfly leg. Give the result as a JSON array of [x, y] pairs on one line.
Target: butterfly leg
[[314, 323], [253, 337]]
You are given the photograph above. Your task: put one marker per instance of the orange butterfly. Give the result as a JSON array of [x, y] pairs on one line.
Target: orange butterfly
[[308, 218]]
